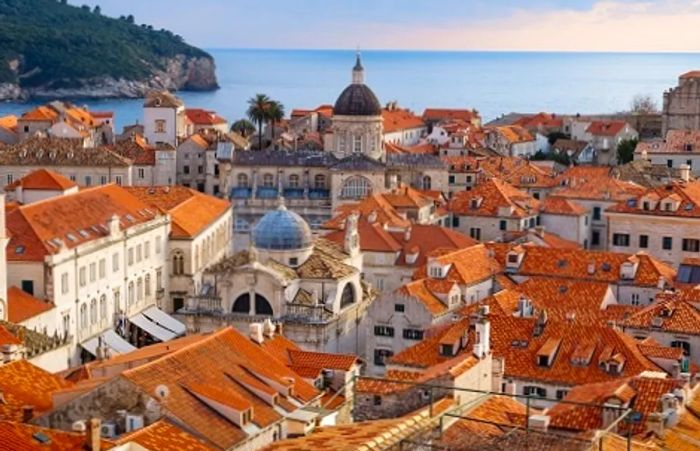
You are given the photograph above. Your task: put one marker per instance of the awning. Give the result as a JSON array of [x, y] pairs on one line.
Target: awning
[[112, 340], [152, 328], [164, 320]]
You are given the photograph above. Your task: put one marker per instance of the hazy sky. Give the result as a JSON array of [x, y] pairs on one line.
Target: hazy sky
[[619, 25]]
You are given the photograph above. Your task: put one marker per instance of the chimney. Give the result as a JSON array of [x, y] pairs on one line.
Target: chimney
[[482, 344], [27, 413], [538, 423], [92, 434], [113, 224], [407, 234], [256, 332], [684, 172]]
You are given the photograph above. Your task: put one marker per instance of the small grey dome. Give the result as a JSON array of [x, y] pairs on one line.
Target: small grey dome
[[281, 229], [357, 100]]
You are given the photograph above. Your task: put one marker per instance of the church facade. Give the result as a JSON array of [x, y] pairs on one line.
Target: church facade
[[681, 107]]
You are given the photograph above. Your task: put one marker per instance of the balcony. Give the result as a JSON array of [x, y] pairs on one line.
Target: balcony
[[295, 313]]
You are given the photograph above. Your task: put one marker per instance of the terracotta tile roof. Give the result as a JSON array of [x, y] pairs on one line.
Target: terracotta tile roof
[[163, 435], [41, 228], [41, 113], [47, 152], [7, 338], [191, 212], [555, 205], [668, 315], [102, 114], [594, 182], [23, 306], [199, 116], [137, 150], [582, 264], [322, 360], [397, 119], [685, 434], [580, 302], [690, 74], [322, 265], [18, 436], [487, 198], [23, 384], [686, 142], [381, 434], [442, 114], [42, 179], [685, 197], [606, 128], [466, 266], [9, 122], [418, 149], [514, 134], [642, 394], [419, 289], [538, 120], [162, 99], [200, 362]]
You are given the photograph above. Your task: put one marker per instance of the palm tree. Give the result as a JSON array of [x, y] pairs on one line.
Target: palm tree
[[244, 127], [258, 106], [275, 113]]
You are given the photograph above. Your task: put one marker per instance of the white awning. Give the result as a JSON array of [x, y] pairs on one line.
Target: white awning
[[152, 328], [112, 340], [164, 320]]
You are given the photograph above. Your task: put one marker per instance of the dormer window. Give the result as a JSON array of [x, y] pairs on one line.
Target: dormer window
[[475, 202], [646, 205], [688, 147], [447, 350]]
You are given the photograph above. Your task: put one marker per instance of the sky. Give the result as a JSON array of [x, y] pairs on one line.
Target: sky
[[527, 25]]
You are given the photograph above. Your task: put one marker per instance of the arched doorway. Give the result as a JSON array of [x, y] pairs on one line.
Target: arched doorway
[[348, 295]]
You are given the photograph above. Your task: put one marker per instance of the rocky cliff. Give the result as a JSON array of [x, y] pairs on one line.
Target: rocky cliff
[[53, 49]]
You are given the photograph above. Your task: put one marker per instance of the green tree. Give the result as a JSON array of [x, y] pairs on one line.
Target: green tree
[[97, 10], [275, 113], [244, 127], [625, 150], [130, 18], [257, 112]]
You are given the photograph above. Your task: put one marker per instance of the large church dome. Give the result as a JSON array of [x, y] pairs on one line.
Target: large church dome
[[280, 230], [357, 99]]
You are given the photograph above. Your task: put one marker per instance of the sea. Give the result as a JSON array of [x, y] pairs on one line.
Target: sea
[[494, 83]]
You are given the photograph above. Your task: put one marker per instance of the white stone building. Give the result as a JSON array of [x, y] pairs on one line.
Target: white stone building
[[164, 118]]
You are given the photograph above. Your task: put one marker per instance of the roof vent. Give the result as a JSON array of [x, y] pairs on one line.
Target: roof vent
[[162, 391], [41, 438]]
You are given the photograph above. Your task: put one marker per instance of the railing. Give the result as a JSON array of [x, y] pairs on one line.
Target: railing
[[294, 313]]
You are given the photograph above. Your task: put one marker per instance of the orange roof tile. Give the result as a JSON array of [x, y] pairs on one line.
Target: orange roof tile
[[466, 266], [669, 315], [23, 384], [41, 228], [606, 128], [685, 195], [514, 133], [594, 182], [555, 205], [398, 119], [6, 337], [199, 116], [23, 306], [191, 212], [488, 197], [441, 114], [9, 122], [41, 113], [163, 435], [539, 120], [42, 179], [18, 436]]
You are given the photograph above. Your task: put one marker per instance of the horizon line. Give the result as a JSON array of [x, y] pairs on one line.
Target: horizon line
[[378, 50]]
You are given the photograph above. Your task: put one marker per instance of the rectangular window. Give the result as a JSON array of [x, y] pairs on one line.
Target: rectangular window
[[384, 331], [115, 262], [596, 213], [103, 180], [621, 239], [160, 126], [540, 392], [475, 233], [413, 334], [455, 221], [131, 256], [93, 272], [118, 180], [643, 241], [691, 245], [595, 238], [399, 308], [200, 169], [667, 243], [158, 244], [381, 356], [138, 252], [64, 283], [669, 163], [502, 224], [451, 179], [142, 173], [186, 169], [82, 276], [561, 394], [103, 268], [28, 286], [146, 249], [88, 180]]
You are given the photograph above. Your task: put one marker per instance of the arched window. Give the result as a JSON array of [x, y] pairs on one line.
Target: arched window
[[426, 182], [268, 180], [242, 304], [294, 181], [356, 187], [83, 316], [320, 181], [93, 311], [262, 307], [348, 295], [178, 263], [242, 180], [103, 307], [130, 293]]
